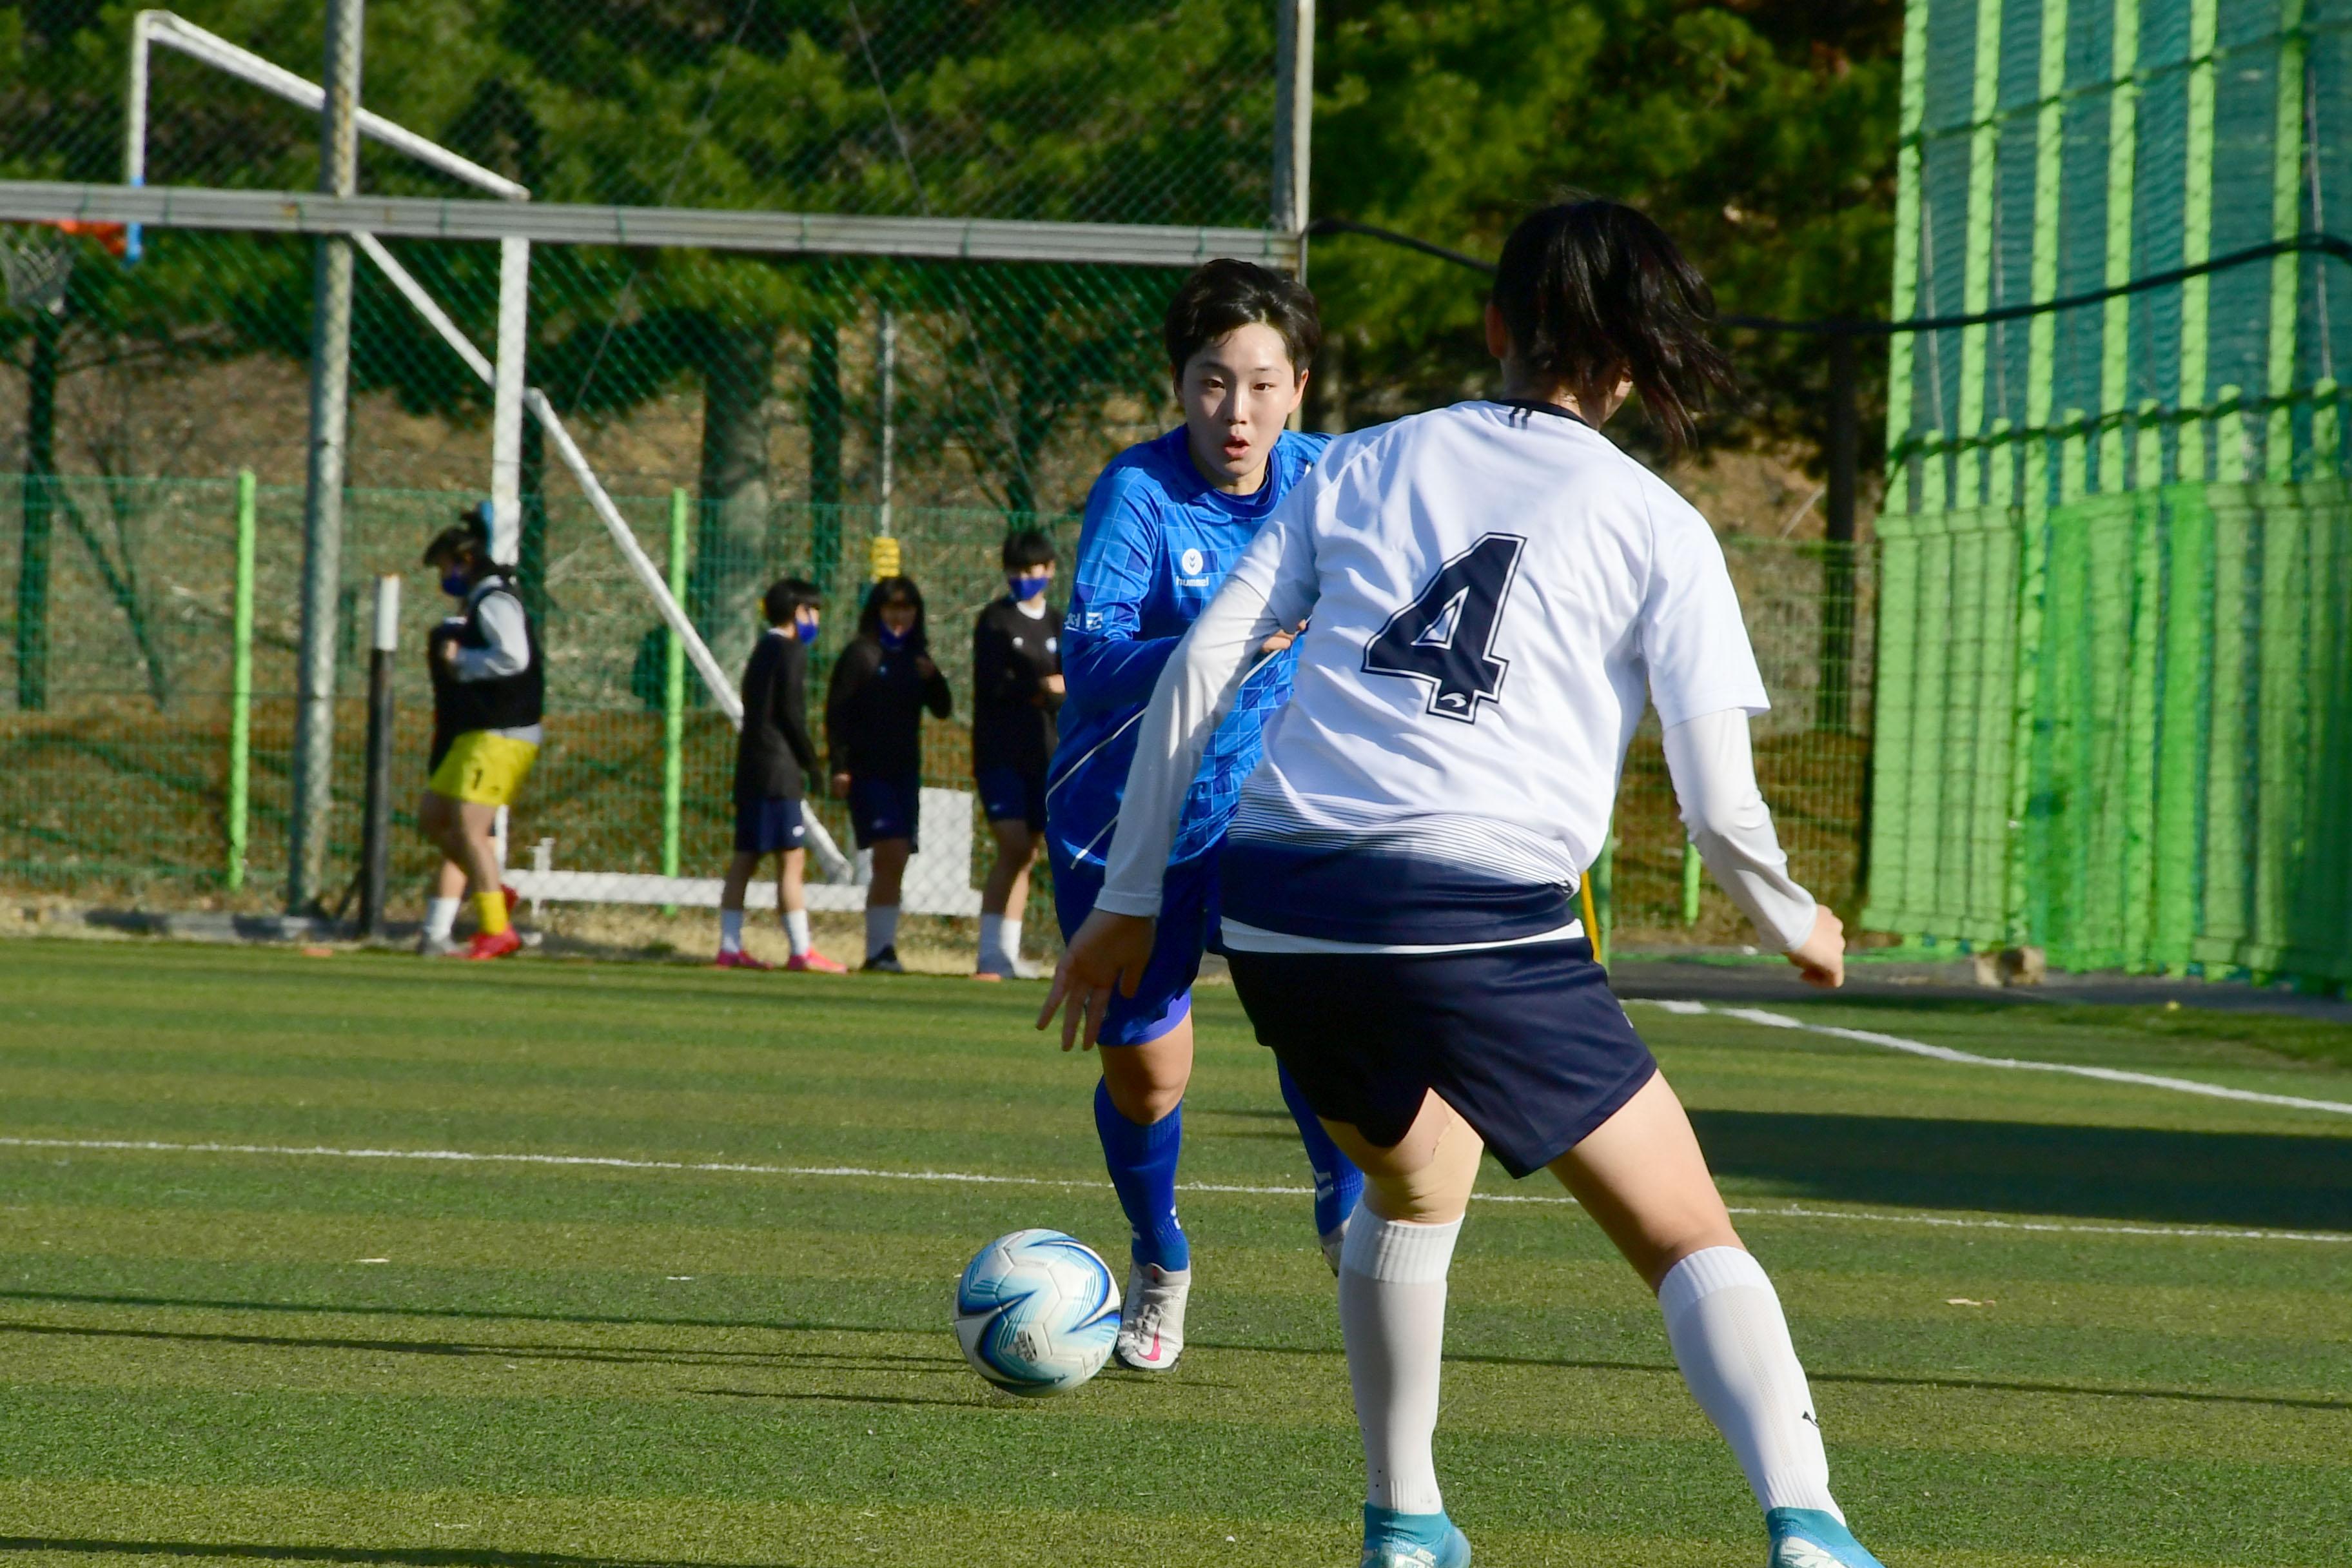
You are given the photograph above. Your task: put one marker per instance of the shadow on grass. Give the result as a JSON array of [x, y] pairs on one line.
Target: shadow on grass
[[2107, 1172], [392, 1556], [460, 1350]]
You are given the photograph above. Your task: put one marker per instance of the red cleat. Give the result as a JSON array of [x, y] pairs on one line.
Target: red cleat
[[484, 945], [814, 962], [739, 959]]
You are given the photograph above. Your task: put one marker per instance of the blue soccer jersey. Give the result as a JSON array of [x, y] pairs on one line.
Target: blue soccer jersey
[[1158, 541]]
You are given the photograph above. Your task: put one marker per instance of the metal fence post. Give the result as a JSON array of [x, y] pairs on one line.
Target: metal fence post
[[1293, 119], [375, 852], [240, 685], [322, 517], [674, 698]]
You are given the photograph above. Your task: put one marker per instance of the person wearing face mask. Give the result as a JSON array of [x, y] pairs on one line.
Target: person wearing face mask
[[1016, 685], [489, 688], [874, 707], [773, 756]]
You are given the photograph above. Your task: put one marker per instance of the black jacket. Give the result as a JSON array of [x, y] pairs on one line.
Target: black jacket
[[774, 748], [513, 702], [873, 711], [1011, 712]]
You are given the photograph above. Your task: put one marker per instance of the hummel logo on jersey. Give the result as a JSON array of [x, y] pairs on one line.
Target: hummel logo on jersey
[[1193, 570]]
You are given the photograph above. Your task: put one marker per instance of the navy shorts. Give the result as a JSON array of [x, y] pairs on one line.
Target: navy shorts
[[765, 824], [1529, 1044], [1009, 794], [885, 808], [1188, 921]]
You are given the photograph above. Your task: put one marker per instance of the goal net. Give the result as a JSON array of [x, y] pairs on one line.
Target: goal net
[[696, 308]]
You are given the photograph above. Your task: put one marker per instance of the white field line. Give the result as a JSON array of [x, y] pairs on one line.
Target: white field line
[[1946, 1054], [977, 1179]]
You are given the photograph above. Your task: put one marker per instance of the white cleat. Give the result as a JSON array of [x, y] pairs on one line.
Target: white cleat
[[1335, 1243], [1151, 1322]]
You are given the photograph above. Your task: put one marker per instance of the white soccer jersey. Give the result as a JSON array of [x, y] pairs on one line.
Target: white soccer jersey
[[1492, 591]]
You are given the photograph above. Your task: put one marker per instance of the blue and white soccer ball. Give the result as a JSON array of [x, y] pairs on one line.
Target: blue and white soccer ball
[[1036, 1312]]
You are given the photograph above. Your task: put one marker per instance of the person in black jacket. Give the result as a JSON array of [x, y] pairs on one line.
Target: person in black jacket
[[874, 728], [772, 757], [1016, 684]]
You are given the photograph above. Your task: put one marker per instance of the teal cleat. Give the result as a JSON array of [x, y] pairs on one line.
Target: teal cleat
[[1808, 1538], [1393, 1540]]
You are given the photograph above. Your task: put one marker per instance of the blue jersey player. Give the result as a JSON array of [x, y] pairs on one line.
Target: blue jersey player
[[1164, 525]]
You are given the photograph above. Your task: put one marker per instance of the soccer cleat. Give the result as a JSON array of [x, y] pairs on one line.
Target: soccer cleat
[[485, 946], [988, 974], [885, 962], [814, 962], [1393, 1540], [428, 945], [1152, 1320], [1810, 1538], [741, 960], [1335, 1242]]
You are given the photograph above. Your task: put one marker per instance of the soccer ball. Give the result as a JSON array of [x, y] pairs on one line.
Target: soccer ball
[[1036, 1312]]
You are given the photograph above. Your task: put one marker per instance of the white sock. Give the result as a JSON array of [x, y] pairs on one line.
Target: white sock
[[441, 916], [991, 942], [796, 931], [1732, 1342], [1008, 936], [1392, 1313], [731, 930], [881, 928]]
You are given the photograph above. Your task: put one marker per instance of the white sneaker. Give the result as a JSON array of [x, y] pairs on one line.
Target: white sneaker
[[431, 946], [1335, 1242], [1151, 1322]]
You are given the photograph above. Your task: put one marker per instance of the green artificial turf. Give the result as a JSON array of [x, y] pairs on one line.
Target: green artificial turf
[[2049, 1319]]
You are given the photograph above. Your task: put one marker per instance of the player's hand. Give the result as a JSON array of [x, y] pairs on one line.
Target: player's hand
[[1280, 641], [1054, 685], [841, 787], [1821, 957], [1108, 950]]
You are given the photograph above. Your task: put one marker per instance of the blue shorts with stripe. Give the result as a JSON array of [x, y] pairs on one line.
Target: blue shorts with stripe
[[1188, 927]]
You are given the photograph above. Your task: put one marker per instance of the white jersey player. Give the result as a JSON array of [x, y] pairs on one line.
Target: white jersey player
[[1492, 591]]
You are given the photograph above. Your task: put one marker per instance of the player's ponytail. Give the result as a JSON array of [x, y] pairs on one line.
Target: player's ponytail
[[1592, 290]]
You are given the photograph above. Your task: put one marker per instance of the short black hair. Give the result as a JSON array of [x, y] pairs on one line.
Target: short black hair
[[786, 597], [1224, 294], [469, 535], [1027, 547], [1591, 290]]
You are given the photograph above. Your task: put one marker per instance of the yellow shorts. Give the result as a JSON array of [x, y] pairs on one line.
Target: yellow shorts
[[484, 768]]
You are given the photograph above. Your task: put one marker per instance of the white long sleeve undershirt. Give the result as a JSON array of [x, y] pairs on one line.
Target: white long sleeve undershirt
[[508, 652], [1708, 759]]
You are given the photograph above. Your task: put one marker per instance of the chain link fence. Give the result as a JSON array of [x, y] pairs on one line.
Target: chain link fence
[[779, 411]]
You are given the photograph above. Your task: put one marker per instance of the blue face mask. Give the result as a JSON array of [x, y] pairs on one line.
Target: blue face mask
[[1027, 587], [805, 630], [891, 640], [456, 584]]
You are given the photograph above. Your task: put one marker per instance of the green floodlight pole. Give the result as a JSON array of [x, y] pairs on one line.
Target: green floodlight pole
[[240, 685], [674, 700]]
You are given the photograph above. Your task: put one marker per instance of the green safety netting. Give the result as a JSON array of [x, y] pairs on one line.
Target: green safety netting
[[2112, 699]]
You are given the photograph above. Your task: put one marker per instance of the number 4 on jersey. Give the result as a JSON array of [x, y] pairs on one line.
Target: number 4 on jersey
[[1447, 637]]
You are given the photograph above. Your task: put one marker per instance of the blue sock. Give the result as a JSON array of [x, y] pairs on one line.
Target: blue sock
[[1142, 1161], [1337, 1182]]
